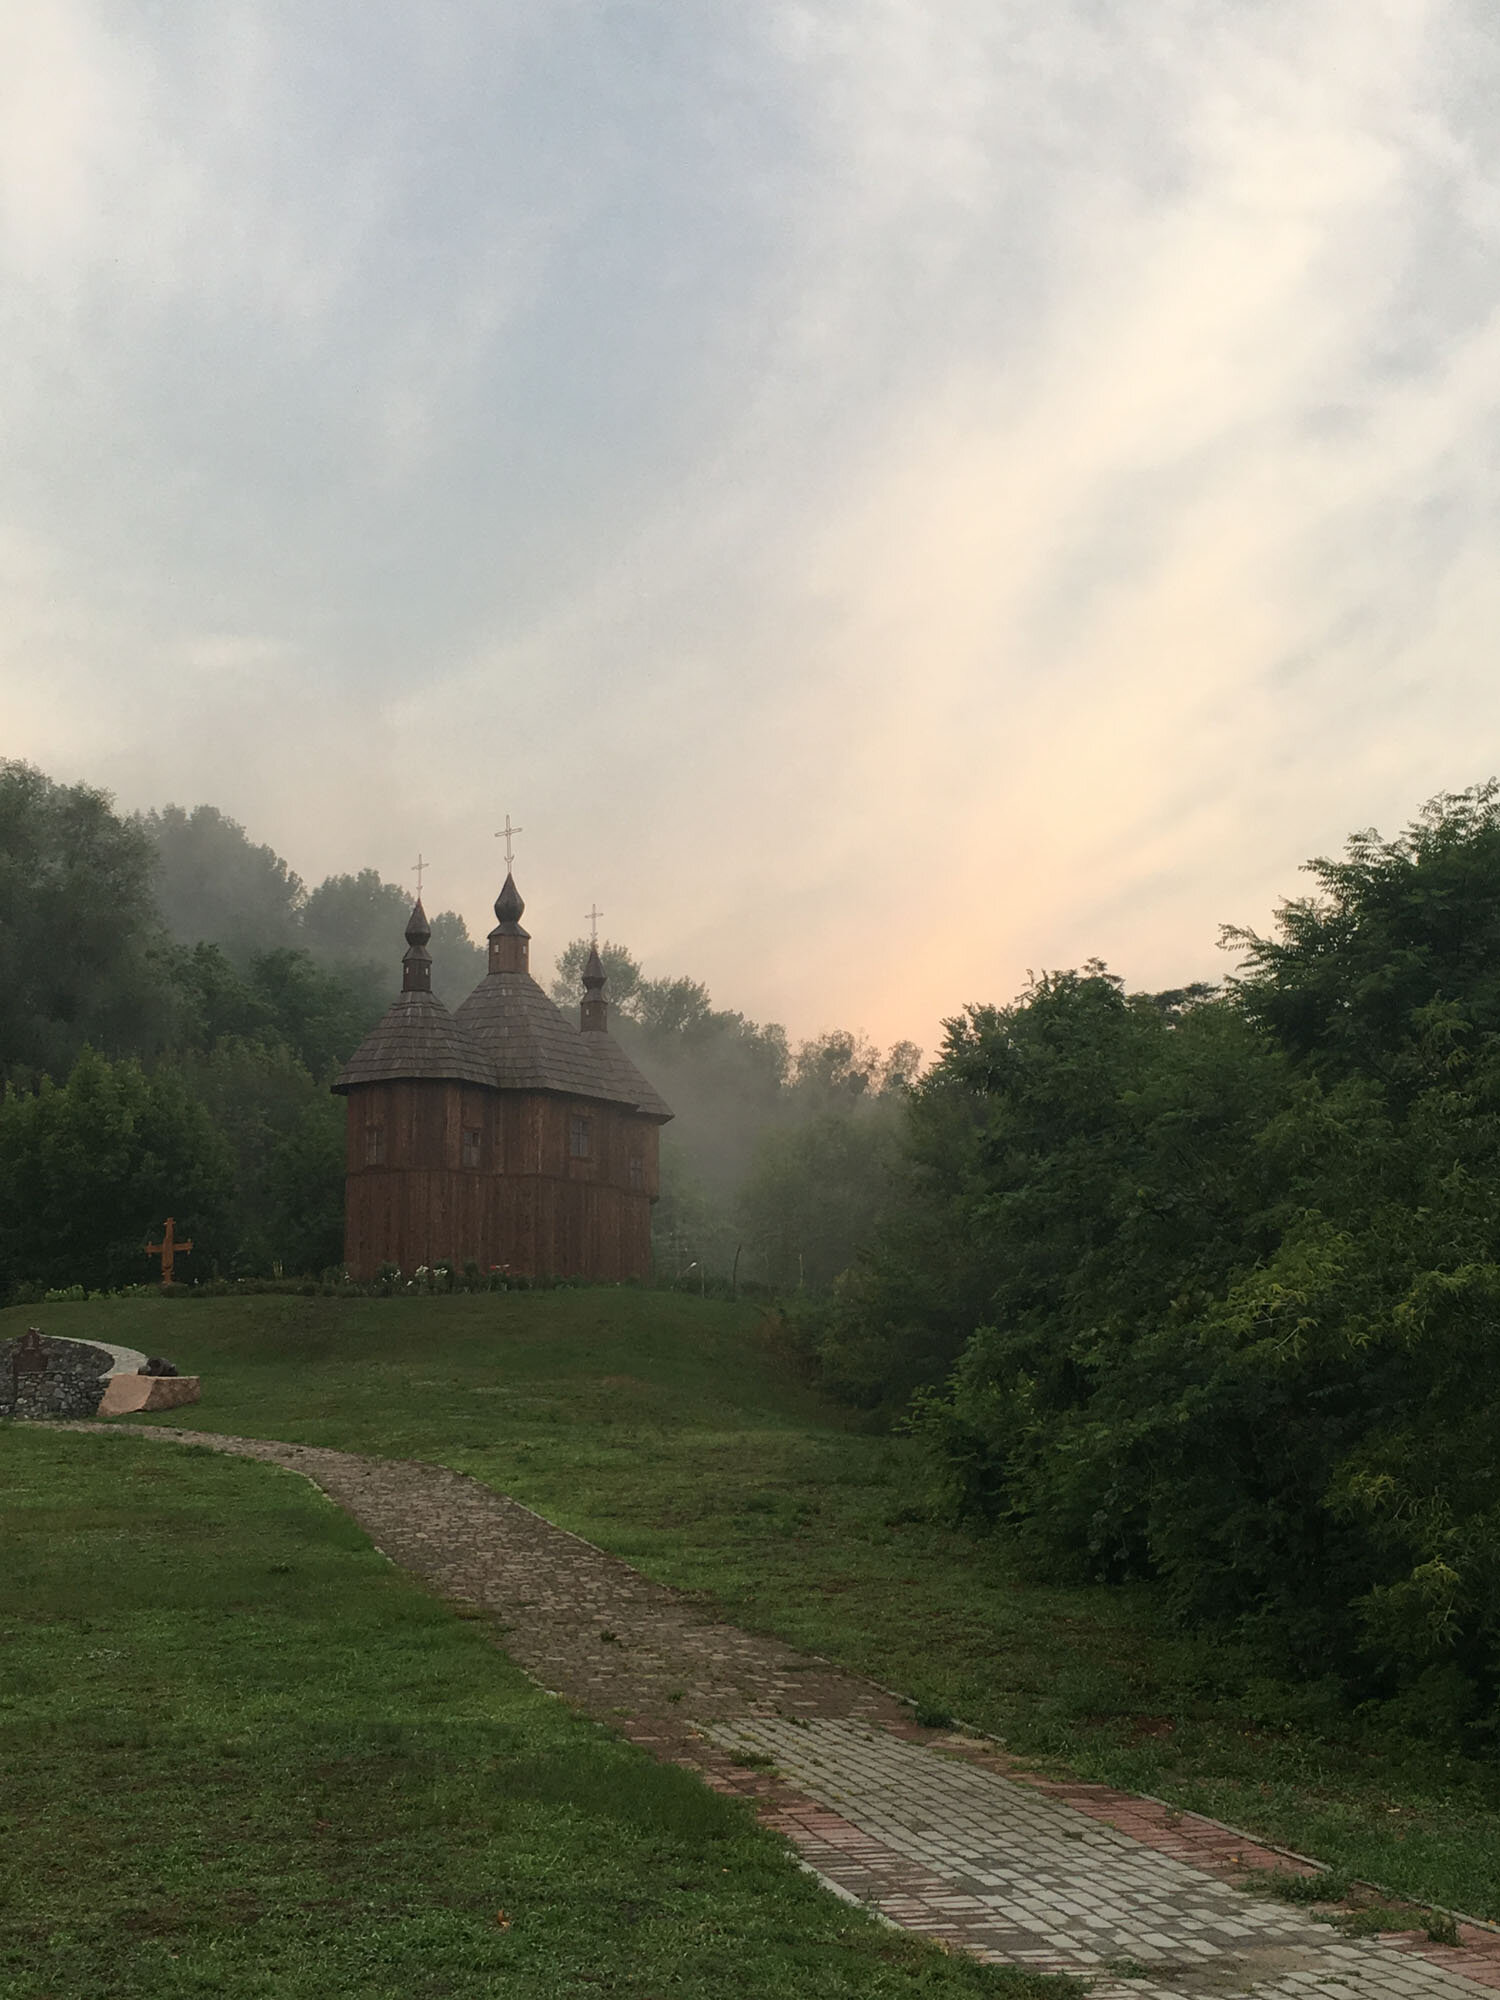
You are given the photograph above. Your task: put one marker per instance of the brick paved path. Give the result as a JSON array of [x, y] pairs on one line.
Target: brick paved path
[[941, 1833]]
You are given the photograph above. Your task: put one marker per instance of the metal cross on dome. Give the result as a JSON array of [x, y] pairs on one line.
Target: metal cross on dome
[[505, 834], [418, 871], [593, 917]]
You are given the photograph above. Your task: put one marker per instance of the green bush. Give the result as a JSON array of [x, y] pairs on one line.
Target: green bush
[[1204, 1287]]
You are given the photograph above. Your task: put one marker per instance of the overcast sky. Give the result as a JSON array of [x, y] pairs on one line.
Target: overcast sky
[[886, 493]]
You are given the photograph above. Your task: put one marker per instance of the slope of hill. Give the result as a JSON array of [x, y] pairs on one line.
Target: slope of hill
[[673, 1432]]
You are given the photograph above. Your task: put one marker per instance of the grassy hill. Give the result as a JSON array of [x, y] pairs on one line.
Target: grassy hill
[[671, 1431], [242, 1755]]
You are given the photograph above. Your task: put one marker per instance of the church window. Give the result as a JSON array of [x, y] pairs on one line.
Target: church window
[[581, 1138], [374, 1145], [473, 1141], [637, 1171]]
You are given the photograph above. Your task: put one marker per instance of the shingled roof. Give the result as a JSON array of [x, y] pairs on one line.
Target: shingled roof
[[618, 1079], [532, 1045], [415, 1037], [507, 1034]]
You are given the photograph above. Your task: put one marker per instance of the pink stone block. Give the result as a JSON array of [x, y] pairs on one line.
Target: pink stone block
[[124, 1394]]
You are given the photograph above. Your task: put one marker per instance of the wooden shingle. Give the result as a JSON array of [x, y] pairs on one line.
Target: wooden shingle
[[531, 1045], [416, 1037]]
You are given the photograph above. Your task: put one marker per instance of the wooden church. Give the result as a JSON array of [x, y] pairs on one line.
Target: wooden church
[[503, 1133]]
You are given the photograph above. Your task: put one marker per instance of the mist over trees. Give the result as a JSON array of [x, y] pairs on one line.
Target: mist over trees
[[214, 885], [170, 953], [777, 1163], [178, 985], [79, 936]]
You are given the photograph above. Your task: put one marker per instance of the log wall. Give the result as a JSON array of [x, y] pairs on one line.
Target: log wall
[[529, 1204]]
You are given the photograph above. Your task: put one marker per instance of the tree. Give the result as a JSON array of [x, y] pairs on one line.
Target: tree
[[458, 964], [1205, 1287], [622, 976], [259, 1097], [839, 1069], [90, 1167], [306, 1185], [215, 1002], [79, 936], [693, 1235], [214, 885], [318, 1014], [816, 1192], [1398, 954], [355, 925], [721, 1074]]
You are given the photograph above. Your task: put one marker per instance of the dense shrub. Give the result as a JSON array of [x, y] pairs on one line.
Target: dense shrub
[[1206, 1287]]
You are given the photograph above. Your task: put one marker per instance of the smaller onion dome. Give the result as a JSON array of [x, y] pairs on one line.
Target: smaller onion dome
[[593, 1015], [416, 966], [416, 1038]]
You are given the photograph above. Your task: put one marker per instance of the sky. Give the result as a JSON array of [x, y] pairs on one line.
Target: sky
[[888, 495]]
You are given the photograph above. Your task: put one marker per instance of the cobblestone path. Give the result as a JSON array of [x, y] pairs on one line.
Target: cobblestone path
[[939, 1832]]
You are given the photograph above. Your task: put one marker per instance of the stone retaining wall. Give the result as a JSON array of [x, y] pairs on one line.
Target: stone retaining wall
[[71, 1387]]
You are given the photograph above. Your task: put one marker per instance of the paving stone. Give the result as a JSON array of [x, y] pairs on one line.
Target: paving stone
[[938, 1832]]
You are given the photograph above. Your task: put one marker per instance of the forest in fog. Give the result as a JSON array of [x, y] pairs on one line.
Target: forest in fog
[[176, 1002]]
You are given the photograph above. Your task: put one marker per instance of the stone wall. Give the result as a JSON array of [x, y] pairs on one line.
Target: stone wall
[[71, 1387]]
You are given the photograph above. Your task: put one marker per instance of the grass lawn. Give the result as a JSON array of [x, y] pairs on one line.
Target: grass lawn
[[663, 1428], [244, 1755]]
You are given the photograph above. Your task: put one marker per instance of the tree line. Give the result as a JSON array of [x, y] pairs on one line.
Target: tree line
[[175, 1000], [173, 1004]]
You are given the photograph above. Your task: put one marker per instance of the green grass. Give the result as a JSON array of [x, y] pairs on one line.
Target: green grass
[[241, 1754], [1364, 1916], [665, 1429]]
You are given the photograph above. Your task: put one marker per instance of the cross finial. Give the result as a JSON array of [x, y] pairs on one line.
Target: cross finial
[[418, 871], [505, 834], [593, 917]]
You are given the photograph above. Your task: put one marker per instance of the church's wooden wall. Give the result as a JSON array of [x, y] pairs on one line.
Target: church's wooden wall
[[529, 1206]]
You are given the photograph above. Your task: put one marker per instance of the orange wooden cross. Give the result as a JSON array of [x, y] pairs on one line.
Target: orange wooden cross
[[167, 1249]]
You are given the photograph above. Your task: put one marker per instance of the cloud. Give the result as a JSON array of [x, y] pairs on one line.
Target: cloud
[[886, 496]]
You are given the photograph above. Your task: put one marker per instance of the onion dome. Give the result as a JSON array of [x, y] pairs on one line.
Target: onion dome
[[416, 1037], [416, 966], [529, 1043], [510, 946], [593, 1015], [614, 1076]]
